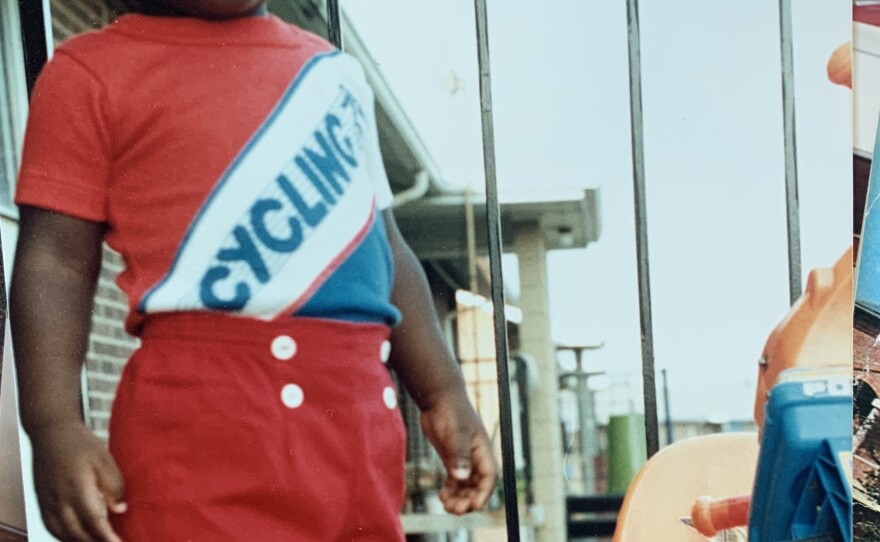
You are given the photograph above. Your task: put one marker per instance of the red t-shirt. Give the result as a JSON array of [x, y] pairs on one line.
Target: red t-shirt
[[235, 163]]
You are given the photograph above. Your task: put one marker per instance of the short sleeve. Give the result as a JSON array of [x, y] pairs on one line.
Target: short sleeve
[[66, 157], [384, 196]]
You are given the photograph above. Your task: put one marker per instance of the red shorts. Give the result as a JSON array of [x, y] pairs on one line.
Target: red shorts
[[228, 429]]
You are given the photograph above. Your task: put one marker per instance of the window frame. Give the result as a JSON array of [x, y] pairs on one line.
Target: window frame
[[13, 104]]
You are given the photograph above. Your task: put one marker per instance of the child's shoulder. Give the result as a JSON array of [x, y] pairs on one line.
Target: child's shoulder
[[91, 49], [306, 38], [294, 35], [91, 42]]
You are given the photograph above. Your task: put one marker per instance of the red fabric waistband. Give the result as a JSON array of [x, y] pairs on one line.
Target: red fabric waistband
[[224, 329], [338, 362]]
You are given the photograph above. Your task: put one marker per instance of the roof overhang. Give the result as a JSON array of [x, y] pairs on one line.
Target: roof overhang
[[436, 226]]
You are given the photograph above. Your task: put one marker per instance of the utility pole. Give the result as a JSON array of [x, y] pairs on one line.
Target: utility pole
[[586, 413]]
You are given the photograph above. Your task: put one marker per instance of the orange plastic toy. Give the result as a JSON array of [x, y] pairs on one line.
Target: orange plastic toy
[[817, 332], [669, 492], [711, 516], [664, 491], [840, 66]]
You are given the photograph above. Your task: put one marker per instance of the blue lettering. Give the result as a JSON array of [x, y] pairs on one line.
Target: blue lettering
[[327, 163], [349, 102], [258, 221], [320, 185], [247, 252], [334, 125], [306, 168], [210, 299], [312, 215]]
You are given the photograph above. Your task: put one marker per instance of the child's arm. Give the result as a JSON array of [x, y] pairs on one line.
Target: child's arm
[[56, 267], [432, 376]]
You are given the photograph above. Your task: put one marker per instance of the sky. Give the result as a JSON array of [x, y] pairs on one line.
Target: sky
[[714, 164]]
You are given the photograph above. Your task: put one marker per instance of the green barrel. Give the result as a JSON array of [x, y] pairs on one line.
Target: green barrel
[[627, 450]]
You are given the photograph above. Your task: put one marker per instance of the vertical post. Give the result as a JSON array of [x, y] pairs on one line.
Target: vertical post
[[35, 38], [792, 203], [548, 451], [334, 31], [493, 224], [586, 415], [669, 436], [585, 428], [638, 166]]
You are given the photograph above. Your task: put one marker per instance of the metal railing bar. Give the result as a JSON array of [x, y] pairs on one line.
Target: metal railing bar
[[493, 223], [792, 202], [334, 32], [652, 438]]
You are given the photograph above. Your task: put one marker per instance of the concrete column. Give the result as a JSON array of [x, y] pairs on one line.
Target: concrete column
[[534, 334]]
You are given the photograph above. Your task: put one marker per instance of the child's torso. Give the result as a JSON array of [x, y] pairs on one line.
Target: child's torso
[[244, 175]]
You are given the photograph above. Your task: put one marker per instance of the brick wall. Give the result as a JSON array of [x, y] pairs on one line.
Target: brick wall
[[109, 345]]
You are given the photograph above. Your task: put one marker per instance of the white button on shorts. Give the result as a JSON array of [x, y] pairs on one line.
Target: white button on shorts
[[390, 397], [385, 351], [283, 347], [292, 396]]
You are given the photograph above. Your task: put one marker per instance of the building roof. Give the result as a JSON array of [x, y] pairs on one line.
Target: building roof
[[567, 220]]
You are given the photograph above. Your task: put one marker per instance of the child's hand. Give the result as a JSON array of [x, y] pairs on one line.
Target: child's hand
[[457, 433], [77, 481]]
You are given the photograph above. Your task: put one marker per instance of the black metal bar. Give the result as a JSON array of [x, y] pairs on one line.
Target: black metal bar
[[34, 39], [334, 32], [493, 223], [792, 202], [638, 160]]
